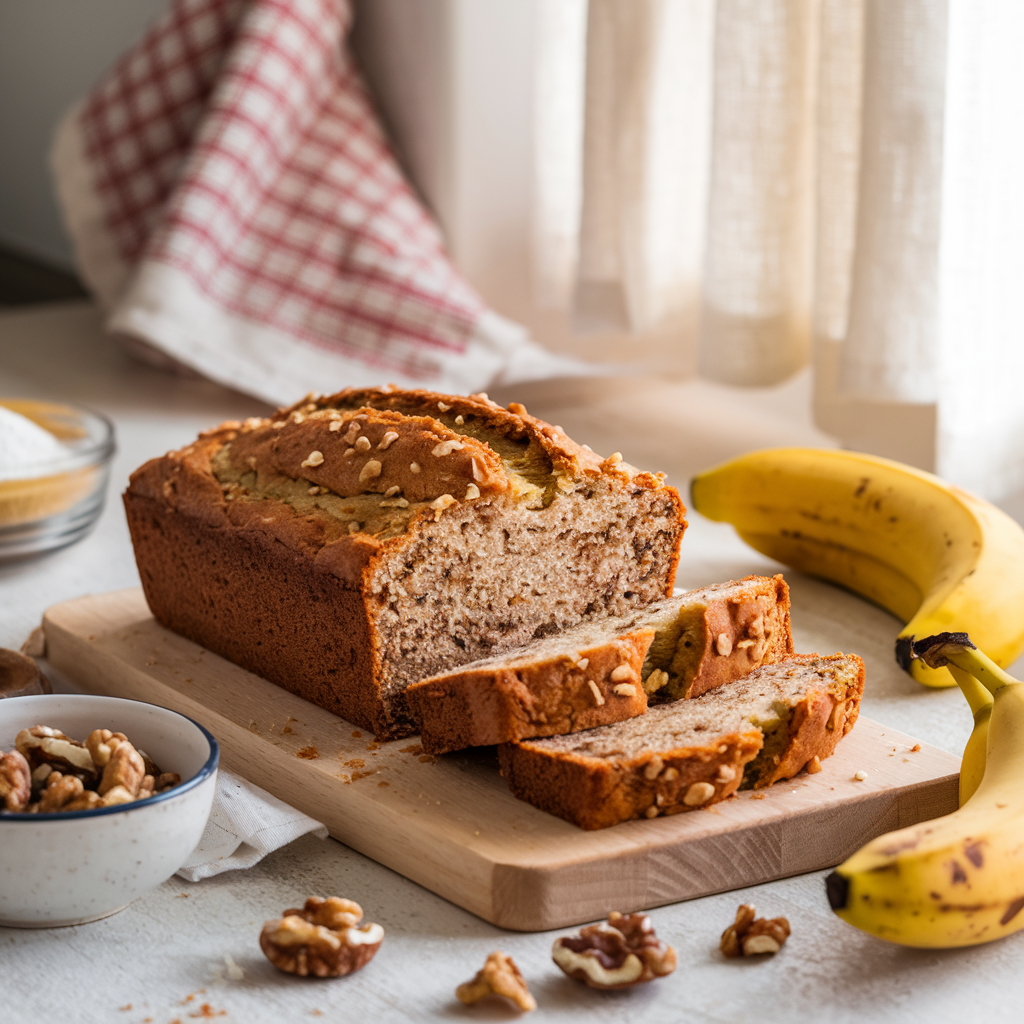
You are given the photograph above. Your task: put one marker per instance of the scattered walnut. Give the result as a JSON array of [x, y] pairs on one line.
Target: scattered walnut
[[624, 690], [499, 976], [723, 644], [362, 444], [313, 459], [748, 936], [623, 952], [596, 691], [655, 681], [15, 781], [324, 939], [623, 674], [814, 765], [472, 492], [389, 438]]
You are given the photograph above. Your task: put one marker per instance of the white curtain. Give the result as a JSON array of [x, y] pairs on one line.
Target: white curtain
[[772, 182]]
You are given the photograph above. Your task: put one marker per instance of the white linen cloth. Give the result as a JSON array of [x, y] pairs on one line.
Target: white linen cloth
[[772, 182], [246, 823]]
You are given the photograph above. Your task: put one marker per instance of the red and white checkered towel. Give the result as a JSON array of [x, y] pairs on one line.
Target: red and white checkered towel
[[234, 204]]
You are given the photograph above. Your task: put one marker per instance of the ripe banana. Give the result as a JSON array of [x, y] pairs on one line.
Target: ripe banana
[[935, 556], [972, 766], [957, 880]]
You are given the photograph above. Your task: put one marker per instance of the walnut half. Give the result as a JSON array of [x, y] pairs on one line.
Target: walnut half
[[499, 976], [621, 953], [748, 935], [15, 781], [323, 939]]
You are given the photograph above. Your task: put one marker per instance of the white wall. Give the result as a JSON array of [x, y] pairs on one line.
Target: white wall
[[51, 52]]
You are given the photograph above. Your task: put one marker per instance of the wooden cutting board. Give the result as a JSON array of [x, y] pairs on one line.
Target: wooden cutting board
[[450, 823]]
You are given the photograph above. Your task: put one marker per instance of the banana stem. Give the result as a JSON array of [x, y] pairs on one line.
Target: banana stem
[[949, 649], [977, 695]]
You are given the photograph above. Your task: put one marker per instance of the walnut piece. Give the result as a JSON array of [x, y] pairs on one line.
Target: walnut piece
[[125, 769], [499, 976], [65, 775], [623, 952], [324, 939], [15, 781], [41, 744], [749, 935]]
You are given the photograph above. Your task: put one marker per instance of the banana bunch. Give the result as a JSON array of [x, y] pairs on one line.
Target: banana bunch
[[957, 880], [935, 556]]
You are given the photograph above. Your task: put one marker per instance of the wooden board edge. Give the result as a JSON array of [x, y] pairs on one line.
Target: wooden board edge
[[533, 898], [473, 887]]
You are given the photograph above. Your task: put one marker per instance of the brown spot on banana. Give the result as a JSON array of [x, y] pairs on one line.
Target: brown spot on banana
[[972, 851], [957, 874], [1012, 911]]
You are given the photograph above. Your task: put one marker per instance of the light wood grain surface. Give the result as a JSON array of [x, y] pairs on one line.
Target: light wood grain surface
[[451, 824]]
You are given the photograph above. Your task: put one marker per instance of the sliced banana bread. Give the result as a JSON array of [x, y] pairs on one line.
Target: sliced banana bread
[[351, 545], [692, 753], [598, 672]]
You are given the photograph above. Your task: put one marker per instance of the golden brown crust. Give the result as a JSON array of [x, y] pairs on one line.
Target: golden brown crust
[[287, 590], [817, 724], [742, 633], [552, 696], [371, 451], [595, 792]]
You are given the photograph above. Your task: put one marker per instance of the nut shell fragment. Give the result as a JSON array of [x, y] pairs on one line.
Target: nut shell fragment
[[501, 977], [623, 952]]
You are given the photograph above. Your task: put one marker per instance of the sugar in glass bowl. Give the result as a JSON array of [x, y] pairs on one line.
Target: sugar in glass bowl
[[72, 867], [54, 464]]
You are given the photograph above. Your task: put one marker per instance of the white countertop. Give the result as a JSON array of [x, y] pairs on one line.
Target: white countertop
[[160, 959]]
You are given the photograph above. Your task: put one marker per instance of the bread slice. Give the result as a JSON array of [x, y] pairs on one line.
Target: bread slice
[[360, 542], [591, 674], [693, 753]]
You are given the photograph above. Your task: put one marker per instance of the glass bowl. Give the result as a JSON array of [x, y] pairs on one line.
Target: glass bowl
[[59, 500]]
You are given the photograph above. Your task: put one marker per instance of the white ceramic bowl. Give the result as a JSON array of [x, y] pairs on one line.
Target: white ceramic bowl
[[78, 866]]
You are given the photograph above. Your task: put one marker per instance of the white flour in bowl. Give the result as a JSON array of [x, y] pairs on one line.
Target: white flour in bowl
[[26, 449]]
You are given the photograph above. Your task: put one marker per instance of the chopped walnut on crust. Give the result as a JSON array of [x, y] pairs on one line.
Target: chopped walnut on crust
[[324, 939], [499, 976], [621, 953], [749, 935]]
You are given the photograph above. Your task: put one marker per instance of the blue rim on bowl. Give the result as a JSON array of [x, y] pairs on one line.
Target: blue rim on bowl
[[209, 767]]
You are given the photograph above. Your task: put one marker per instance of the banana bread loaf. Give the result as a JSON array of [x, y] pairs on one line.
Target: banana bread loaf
[[597, 673], [692, 753], [354, 544]]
